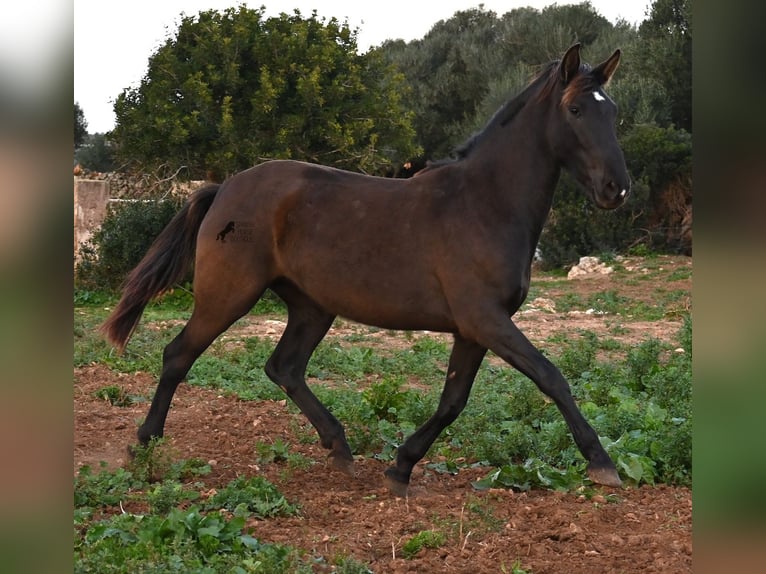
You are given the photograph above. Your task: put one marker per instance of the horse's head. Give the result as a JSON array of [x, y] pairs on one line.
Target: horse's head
[[584, 136]]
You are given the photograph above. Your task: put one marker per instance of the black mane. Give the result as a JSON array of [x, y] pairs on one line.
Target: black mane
[[503, 116]]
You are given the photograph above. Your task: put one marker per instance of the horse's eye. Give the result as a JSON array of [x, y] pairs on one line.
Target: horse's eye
[[575, 111]]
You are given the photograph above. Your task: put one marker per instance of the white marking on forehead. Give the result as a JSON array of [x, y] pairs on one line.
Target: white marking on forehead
[[599, 97]]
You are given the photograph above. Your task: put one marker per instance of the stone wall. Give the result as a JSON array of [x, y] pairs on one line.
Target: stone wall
[[90, 200], [94, 191]]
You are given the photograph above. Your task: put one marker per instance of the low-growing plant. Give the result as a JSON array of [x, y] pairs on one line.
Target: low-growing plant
[[181, 541], [350, 565], [106, 488], [423, 539], [169, 494], [534, 473], [151, 462], [117, 396], [515, 568], [277, 451], [255, 495], [122, 240]]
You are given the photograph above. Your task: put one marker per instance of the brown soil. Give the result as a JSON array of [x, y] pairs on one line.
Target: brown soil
[[601, 530]]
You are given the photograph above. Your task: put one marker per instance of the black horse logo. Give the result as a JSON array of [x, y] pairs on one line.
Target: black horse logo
[[224, 232]]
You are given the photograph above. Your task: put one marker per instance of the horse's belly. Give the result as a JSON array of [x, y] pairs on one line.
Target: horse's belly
[[389, 302]]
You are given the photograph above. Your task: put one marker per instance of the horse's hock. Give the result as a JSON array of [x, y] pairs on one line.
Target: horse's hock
[[90, 200]]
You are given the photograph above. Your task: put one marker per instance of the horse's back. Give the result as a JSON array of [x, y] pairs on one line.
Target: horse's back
[[363, 247]]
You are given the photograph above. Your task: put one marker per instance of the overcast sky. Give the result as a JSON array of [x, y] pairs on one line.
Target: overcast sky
[[114, 39]]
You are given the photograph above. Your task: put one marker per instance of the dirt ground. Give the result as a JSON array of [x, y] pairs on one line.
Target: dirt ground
[[628, 530]]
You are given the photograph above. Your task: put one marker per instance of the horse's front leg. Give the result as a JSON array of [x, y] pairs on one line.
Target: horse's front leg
[[464, 362], [504, 338]]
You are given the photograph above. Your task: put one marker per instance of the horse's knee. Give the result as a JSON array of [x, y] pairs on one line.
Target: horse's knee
[[448, 412]]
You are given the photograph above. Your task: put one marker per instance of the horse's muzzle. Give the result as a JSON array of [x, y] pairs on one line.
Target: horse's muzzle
[[612, 194]]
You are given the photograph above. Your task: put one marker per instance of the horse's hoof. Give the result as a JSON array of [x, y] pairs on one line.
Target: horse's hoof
[[605, 475], [341, 463], [396, 487]]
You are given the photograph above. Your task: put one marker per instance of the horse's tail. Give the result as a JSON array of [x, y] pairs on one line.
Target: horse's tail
[[165, 263]]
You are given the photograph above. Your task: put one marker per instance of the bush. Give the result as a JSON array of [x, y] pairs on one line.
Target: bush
[[659, 162], [662, 159], [576, 227], [122, 240]]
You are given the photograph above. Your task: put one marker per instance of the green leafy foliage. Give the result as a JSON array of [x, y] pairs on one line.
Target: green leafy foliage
[[423, 539], [124, 237], [96, 153], [255, 495], [533, 473], [232, 88], [463, 70], [183, 540], [174, 536], [163, 497], [666, 40], [80, 126], [117, 396], [103, 489]]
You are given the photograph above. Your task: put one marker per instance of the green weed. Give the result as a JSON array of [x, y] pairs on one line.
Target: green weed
[[117, 396], [151, 462], [279, 451], [350, 565], [423, 539], [255, 495], [180, 541], [534, 473], [167, 495], [172, 536], [515, 569], [107, 488]]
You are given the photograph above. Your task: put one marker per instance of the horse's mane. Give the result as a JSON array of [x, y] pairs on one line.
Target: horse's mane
[[539, 88]]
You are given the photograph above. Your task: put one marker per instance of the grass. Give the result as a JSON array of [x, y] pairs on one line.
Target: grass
[[637, 397]]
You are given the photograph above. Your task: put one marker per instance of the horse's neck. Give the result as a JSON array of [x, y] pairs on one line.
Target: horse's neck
[[516, 171]]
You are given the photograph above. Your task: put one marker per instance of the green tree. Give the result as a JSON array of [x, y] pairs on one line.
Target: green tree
[[666, 55], [468, 65], [96, 153], [448, 76], [232, 88], [80, 126]]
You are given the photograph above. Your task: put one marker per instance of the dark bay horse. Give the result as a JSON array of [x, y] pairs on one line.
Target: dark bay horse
[[449, 251]]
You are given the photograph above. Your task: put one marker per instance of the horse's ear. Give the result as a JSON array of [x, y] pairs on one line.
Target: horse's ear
[[570, 63], [605, 70]]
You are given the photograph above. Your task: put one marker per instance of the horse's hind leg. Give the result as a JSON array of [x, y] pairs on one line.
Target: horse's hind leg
[[213, 314], [307, 324], [464, 363]]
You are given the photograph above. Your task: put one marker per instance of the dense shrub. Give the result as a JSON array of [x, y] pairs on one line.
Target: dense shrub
[[576, 227], [122, 240], [659, 162], [661, 158]]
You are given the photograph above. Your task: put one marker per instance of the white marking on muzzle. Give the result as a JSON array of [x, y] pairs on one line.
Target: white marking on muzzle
[[599, 97], [623, 193]]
